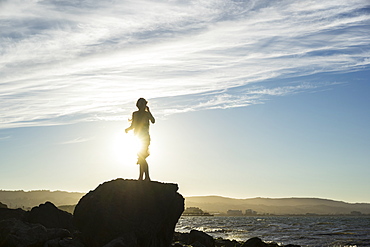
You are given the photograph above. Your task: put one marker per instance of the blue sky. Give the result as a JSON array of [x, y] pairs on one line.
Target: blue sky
[[252, 98]]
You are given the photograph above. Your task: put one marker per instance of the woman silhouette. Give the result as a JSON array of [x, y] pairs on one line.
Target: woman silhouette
[[140, 125]]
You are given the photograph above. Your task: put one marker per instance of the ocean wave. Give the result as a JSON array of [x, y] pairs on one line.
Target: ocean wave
[[305, 231]]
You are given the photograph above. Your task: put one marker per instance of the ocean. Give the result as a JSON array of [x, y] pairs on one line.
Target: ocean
[[310, 231]]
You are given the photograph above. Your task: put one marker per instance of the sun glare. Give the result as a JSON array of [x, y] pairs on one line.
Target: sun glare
[[125, 147]]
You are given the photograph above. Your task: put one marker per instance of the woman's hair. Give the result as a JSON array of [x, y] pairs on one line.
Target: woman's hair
[[141, 103]]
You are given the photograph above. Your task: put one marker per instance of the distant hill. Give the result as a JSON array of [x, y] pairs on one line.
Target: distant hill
[[29, 199], [214, 204]]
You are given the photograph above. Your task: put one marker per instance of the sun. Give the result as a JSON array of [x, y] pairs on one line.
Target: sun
[[125, 147]]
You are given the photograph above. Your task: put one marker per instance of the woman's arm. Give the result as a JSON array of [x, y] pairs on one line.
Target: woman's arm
[[151, 118], [132, 124]]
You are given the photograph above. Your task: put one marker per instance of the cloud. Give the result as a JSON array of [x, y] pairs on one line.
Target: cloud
[[69, 61], [76, 140]]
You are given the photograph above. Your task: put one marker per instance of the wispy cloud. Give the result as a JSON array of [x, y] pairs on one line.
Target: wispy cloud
[[76, 140], [65, 61], [233, 97]]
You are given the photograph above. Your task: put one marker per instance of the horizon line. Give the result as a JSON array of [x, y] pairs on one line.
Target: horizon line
[[211, 195]]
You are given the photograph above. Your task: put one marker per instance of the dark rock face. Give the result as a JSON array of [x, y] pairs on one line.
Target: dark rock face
[[42, 225], [3, 205], [8, 213], [226, 243], [140, 213], [202, 238], [15, 233], [197, 238], [50, 216], [257, 242], [34, 228]]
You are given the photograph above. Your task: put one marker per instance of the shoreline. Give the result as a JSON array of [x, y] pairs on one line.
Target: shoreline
[[197, 238], [282, 215]]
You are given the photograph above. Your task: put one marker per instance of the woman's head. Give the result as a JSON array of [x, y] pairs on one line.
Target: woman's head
[[141, 103]]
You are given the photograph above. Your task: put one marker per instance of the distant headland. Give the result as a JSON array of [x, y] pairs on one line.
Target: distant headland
[[218, 205]]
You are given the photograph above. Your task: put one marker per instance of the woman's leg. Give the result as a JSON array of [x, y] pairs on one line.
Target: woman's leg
[[141, 172], [142, 155], [146, 170]]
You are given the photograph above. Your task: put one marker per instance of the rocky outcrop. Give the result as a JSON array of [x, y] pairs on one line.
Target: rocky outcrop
[[17, 233], [50, 216], [117, 213], [129, 213], [43, 226]]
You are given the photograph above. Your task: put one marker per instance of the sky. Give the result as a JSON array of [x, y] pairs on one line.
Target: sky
[[251, 98]]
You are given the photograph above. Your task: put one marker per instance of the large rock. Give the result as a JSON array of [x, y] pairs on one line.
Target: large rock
[[141, 213]]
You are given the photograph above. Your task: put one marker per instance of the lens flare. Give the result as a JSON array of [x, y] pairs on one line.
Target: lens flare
[[126, 147]]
